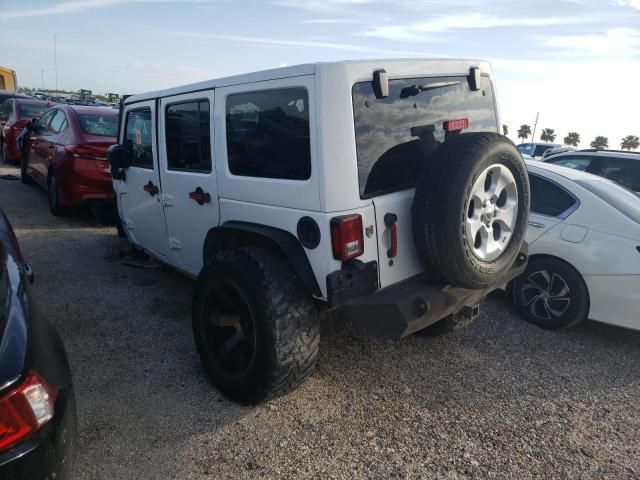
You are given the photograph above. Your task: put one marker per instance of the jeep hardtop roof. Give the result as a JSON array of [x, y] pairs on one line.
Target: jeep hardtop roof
[[406, 66]]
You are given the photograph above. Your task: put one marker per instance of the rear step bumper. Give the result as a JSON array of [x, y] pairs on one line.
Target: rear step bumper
[[414, 304]]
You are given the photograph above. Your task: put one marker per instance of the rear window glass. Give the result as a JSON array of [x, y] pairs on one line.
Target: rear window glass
[[30, 110], [395, 136], [101, 125], [623, 200]]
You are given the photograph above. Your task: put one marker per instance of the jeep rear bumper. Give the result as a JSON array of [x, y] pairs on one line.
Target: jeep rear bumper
[[414, 304]]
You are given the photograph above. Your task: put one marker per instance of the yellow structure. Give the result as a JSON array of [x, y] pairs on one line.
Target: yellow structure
[[8, 79]]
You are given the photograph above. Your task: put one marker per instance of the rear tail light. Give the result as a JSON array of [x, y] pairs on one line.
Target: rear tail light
[[347, 237], [19, 125], [88, 152], [25, 409]]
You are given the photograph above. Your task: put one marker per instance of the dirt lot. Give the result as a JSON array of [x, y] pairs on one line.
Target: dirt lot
[[501, 399]]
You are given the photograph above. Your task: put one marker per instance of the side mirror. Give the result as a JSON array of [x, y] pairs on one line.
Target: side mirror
[[31, 125], [119, 160]]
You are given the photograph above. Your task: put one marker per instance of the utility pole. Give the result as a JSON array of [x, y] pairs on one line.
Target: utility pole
[[55, 58], [533, 137], [42, 72]]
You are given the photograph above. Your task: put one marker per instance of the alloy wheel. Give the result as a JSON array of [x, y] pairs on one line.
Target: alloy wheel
[[546, 295], [492, 212]]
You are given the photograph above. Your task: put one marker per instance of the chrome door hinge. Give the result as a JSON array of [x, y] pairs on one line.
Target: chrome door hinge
[[129, 224], [174, 243]]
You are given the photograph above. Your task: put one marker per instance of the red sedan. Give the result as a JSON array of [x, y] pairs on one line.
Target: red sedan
[[15, 113], [66, 153]]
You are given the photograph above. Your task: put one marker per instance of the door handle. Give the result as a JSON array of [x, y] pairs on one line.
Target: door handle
[[537, 225], [200, 196], [151, 189]]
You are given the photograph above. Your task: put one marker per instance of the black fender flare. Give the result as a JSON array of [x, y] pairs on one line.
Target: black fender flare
[[286, 241]]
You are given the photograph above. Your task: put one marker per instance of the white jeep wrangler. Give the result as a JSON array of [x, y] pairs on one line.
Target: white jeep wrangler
[[377, 187]]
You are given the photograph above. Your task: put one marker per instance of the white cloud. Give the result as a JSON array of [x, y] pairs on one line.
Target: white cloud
[[265, 41], [77, 6], [323, 6], [629, 3], [424, 30], [330, 20], [615, 43]]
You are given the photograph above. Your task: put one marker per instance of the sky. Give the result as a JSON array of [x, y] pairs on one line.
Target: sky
[[576, 62]]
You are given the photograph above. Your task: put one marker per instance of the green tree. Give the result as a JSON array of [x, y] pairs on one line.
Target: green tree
[[572, 138], [600, 143], [630, 142], [505, 130], [524, 131], [548, 135]]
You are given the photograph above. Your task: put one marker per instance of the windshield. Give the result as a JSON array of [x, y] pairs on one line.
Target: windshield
[[526, 149], [101, 125], [30, 110], [622, 199], [396, 135]]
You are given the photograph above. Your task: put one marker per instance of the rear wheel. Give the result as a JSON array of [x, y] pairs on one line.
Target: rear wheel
[[254, 324], [53, 194], [470, 210], [3, 152], [551, 294]]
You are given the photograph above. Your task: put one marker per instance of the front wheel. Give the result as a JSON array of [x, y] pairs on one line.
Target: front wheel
[[551, 294], [255, 326]]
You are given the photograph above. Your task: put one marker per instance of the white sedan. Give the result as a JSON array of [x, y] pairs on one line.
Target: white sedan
[[584, 251]]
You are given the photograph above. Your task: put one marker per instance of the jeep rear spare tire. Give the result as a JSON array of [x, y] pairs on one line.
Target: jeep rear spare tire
[[471, 209], [255, 326]]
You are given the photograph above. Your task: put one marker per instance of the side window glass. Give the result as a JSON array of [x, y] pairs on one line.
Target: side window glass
[[572, 162], [548, 198], [57, 123], [42, 124], [623, 171], [268, 134], [5, 111], [188, 136], [138, 140]]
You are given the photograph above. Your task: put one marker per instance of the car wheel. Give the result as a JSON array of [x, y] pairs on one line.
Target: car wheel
[[53, 194], [551, 294], [255, 326], [470, 210], [3, 152]]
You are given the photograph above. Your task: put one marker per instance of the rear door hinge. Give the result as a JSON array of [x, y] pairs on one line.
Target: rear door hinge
[[174, 243], [129, 224]]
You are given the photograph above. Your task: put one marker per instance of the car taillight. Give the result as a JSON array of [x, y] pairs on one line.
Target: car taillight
[[25, 409], [455, 125], [18, 126], [347, 238], [88, 152]]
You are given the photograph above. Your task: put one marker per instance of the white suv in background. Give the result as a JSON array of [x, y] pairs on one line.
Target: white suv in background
[[380, 188], [616, 165]]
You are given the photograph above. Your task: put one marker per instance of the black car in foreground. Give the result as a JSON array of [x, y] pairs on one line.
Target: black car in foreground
[[37, 402]]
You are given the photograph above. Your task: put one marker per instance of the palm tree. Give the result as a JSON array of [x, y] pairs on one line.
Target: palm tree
[[505, 130], [572, 138], [524, 131], [548, 135], [630, 142], [600, 143]]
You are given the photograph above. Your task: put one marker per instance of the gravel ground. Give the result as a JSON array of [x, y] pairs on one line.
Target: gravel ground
[[501, 399]]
